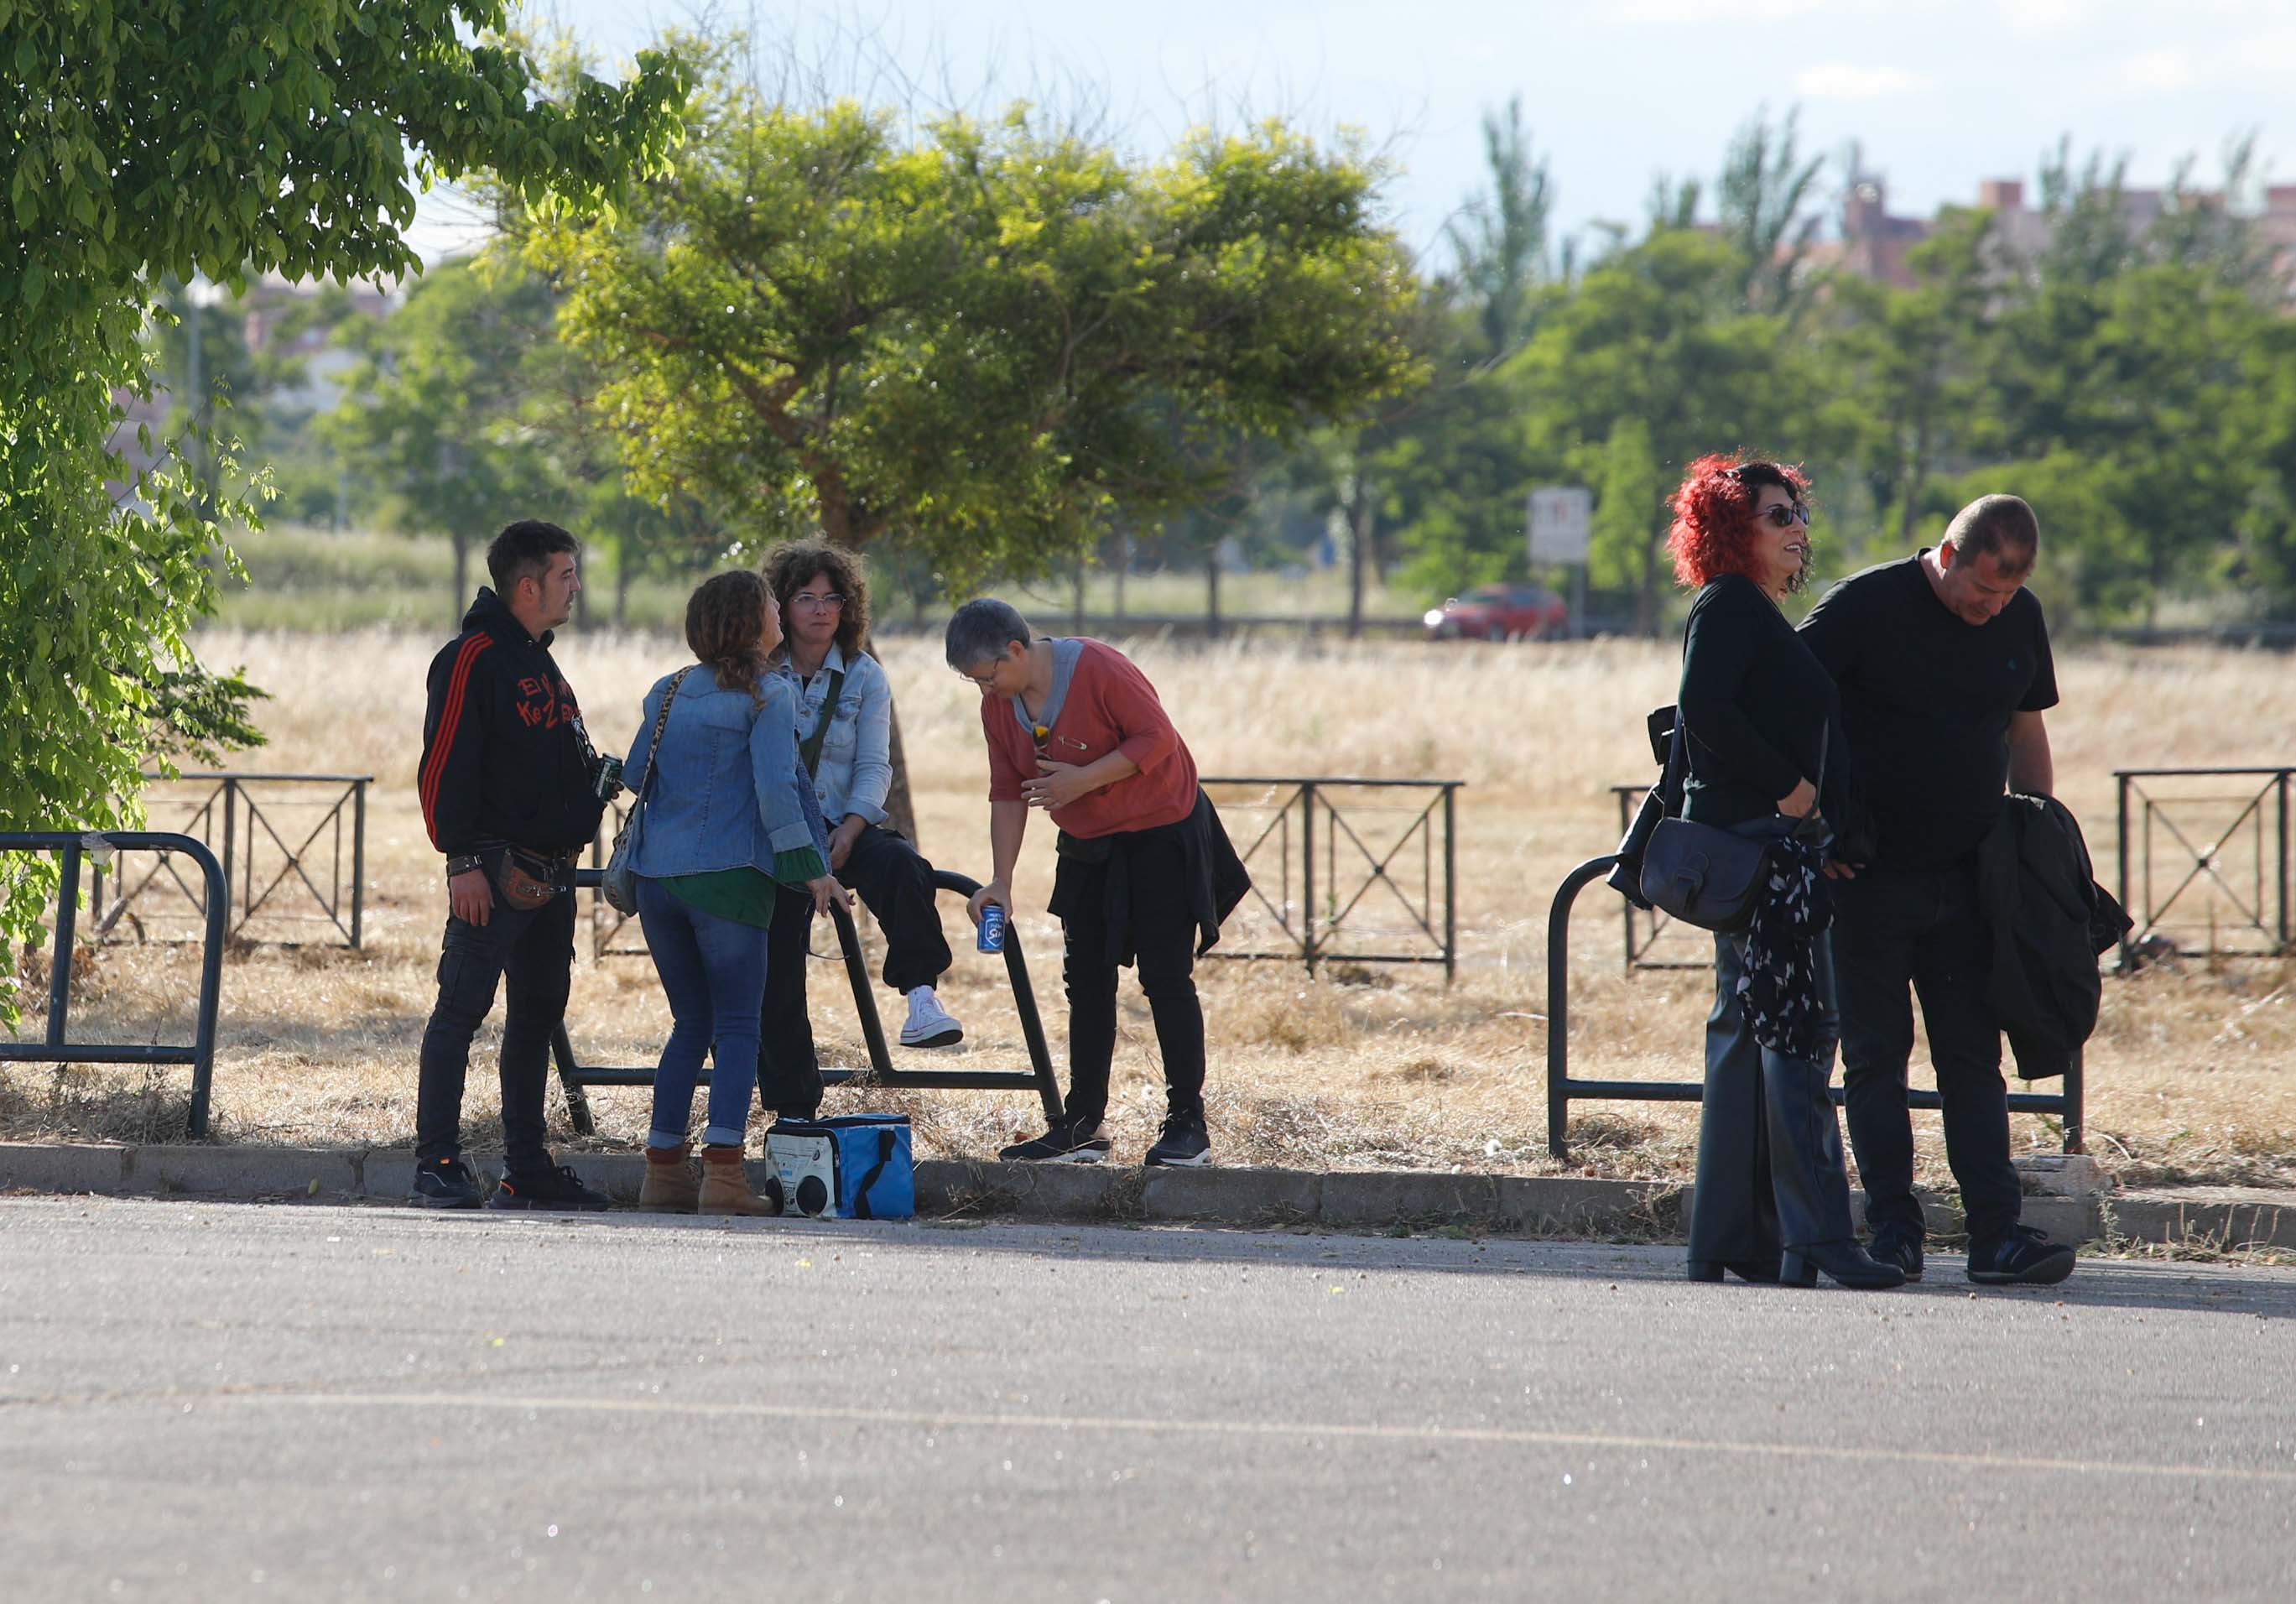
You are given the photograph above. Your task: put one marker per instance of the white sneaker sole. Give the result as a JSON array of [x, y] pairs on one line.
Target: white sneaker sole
[[947, 1036], [1199, 1162], [1083, 1156]]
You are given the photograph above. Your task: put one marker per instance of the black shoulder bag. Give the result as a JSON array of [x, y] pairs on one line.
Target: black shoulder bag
[[1702, 874]]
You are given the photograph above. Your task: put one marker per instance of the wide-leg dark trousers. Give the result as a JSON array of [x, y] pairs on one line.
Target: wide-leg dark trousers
[[1770, 1174]]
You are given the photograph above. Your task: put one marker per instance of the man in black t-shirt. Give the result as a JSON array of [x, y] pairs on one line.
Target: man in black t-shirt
[[1942, 660]]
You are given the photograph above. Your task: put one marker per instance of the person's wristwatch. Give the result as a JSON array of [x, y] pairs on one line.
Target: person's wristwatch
[[465, 864]]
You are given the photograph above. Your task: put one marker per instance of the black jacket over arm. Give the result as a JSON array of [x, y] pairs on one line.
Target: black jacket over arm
[[504, 756], [2049, 920]]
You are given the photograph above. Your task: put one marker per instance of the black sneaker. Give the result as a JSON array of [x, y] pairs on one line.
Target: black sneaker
[[2022, 1259], [1183, 1145], [1892, 1245], [444, 1183], [557, 1188], [1062, 1144]]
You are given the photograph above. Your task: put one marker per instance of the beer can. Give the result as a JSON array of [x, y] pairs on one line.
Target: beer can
[[608, 778], [992, 929]]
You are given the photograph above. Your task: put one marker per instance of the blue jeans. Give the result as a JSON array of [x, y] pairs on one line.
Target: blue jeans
[[713, 972]]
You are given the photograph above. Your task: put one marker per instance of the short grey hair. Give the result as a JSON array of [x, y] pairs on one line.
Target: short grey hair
[[2000, 526], [982, 629]]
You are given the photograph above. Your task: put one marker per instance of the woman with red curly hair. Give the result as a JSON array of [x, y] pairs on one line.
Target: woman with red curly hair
[[1756, 712]]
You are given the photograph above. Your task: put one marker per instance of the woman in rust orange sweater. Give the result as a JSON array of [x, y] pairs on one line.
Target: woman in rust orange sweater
[[1145, 875]]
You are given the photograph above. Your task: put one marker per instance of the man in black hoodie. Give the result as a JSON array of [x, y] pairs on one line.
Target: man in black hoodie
[[510, 794]]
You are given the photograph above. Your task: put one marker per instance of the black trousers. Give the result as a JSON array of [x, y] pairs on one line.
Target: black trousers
[[895, 883], [1164, 942], [1922, 931], [789, 1072], [1769, 1147], [531, 955]]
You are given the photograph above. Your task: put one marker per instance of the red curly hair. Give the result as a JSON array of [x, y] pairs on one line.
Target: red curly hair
[[1713, 530]]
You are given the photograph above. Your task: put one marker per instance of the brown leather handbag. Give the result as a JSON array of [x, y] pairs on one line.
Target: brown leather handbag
[[529, 881]]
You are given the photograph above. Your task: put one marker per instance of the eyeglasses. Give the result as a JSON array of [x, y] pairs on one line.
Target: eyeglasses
[[1786, 515], [829, 602], [985, 680]]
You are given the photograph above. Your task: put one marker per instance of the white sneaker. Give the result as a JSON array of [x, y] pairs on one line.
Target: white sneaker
[[929, 1024]]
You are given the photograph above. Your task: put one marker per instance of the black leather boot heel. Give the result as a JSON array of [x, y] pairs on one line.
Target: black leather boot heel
[[1845, 1263]]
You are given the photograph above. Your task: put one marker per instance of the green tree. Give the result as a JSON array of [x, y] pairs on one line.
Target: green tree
[[1629, 499], [1913, 365], [980, 342], [437, 414], [152, 140], [1764, 201], [1657, 333], [2127, 395], [1499, 239], [1446, 468]]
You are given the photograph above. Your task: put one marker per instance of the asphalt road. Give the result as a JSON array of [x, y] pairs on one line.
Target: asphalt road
[[216, 1401]]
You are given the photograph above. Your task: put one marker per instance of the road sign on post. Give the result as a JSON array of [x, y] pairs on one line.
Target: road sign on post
[[1562, 528], [1561, 523]]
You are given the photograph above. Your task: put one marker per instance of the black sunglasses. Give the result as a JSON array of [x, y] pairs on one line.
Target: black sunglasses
[[1786, 515]]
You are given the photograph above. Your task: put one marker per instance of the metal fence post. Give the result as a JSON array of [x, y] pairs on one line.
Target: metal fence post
[[1558, 1003], [231, 832], [2075, 1090], [2283, 859], [359, 861], [1450, 885], [55, 1049], [60, 960], [210, 997], [2121, 782], [1308, 872]]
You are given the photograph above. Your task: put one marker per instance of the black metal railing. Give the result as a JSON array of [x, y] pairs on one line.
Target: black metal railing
[[302, 884], [881, 1070], [1306, 905], [2218, 843], [1561, 1089], [57, 1047]]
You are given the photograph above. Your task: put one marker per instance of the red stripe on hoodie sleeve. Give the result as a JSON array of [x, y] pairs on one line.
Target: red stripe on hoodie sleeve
[[450, 720]]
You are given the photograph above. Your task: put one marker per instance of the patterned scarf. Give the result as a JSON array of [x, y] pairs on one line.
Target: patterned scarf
[[1778, 987]]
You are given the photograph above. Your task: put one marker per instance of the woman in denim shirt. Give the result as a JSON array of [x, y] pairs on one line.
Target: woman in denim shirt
[[730, 819], [824, 595]]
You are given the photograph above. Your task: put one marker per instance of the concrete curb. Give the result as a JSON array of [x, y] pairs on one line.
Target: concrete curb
[[1362, 1202]]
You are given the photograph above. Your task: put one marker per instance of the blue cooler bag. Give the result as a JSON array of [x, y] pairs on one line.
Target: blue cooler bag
[[856, 1166]]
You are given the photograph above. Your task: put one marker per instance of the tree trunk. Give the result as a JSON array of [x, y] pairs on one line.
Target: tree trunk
[[1077, 611], [621, 589], [1212, 590], [462, 544], [1359, 544], [1123, 566], [900, 807], [1917, 472]]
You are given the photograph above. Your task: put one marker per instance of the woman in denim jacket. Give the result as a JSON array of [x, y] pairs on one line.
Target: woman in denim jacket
[[731, 818], [824, 593]]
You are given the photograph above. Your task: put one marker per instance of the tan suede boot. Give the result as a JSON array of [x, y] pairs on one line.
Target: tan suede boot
[[670, 1186], [725, 1185]]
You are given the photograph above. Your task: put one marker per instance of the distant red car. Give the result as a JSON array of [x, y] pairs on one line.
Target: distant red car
[[1500, 613]]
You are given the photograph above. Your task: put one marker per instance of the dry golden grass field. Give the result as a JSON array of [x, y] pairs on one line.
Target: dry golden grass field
[[2192, 1077]]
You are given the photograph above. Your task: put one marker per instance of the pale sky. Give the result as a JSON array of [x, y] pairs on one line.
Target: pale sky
[[1941, 93]]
